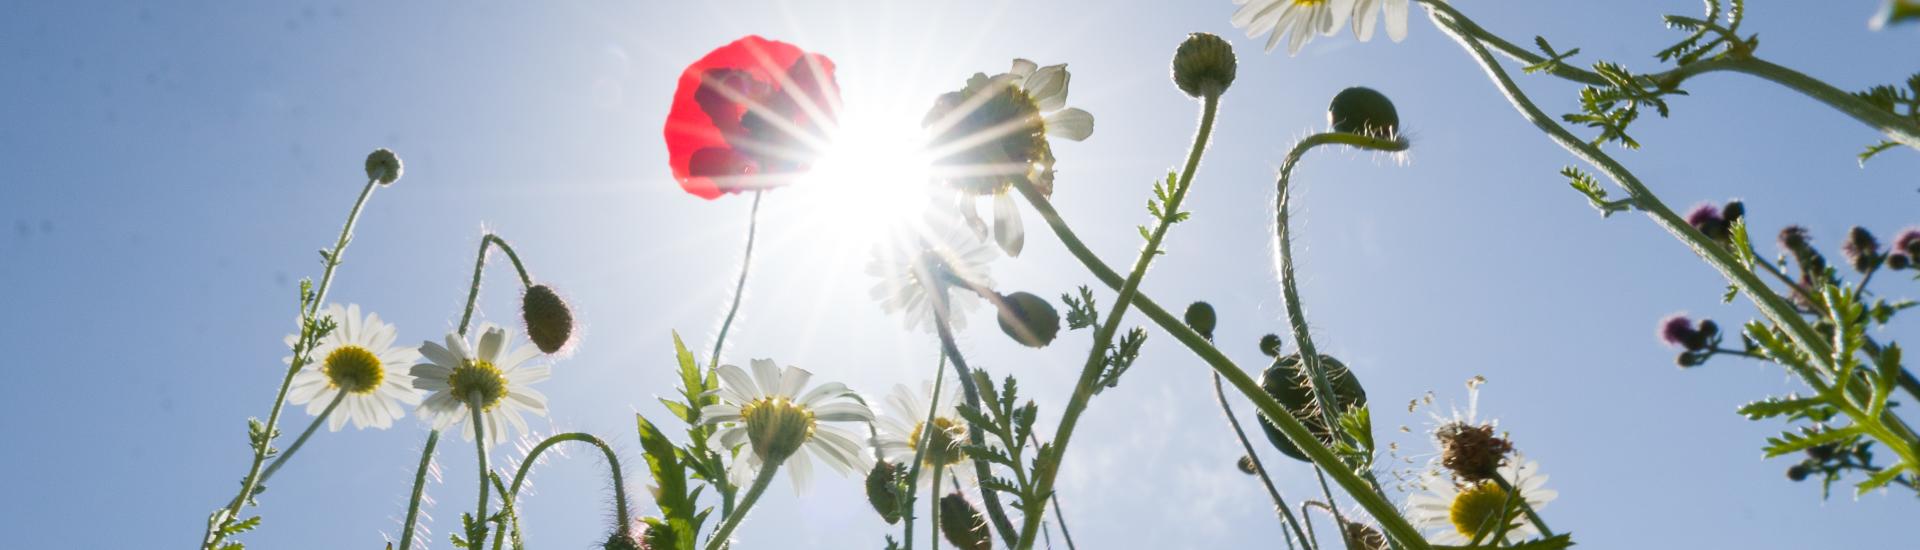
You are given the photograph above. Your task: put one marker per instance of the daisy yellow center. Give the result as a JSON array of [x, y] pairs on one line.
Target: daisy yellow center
[[1477, 507], [478, 377], [943, 445], [353, 369], [999, 136], [777, 427]]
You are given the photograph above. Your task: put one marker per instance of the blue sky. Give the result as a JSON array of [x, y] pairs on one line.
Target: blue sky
[[171, 169]]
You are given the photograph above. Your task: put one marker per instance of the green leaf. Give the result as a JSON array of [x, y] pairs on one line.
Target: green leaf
[[1772, 407], [1790, 442], [1880, 479], [1887, 377], [670, 480]]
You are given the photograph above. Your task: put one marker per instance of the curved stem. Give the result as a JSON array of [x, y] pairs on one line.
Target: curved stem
[[739, 288], [1339, 522], [304, 434], [262, 445], [1379, 507], [480, 451], [976, 435], [920, 451], [512, 493], [760, 482], [1260, 469], [419, 485], [479, 265]]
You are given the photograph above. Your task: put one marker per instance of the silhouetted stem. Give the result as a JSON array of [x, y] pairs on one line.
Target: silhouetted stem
[[1259, 468], [739, 287], [419, 485], [760, 482]]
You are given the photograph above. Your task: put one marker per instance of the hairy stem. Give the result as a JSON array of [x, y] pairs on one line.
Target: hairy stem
[[1260, 469], [760, 483], [304, 434], [976, 435], [479, 265], [739, 287], [419, 485], [512, 494]]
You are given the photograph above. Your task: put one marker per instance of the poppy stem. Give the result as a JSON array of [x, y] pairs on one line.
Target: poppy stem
[[740, 287], [613, 463], [1259, 469], [479, 265], [419, 484]]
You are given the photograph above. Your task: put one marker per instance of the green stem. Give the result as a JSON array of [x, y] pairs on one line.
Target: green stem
[[1339, 522], [479, 265], [933, 497], [303, 345], [419, 485], [304, 434], [1049, 463], [976, 434], [477, 534], [760, 483], [1771, 305], [1525, 506], [510, 518], [739, 288], [613, 463], [1379, 507], [920, 450], [1279, 503]]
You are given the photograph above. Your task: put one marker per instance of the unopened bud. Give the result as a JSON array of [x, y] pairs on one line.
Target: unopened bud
[[1861, 249], [962, 524], [1364, 111], [882, 490], [549, 320], [1288, 382], [1270, 345], [1201, 318], [1204, 65], [1028, 319], [383, 166]]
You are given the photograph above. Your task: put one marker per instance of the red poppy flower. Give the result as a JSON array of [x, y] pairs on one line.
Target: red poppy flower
[[750, 115]]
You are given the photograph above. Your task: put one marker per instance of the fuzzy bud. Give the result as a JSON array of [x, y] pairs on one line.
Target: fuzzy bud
[[1270, 345], [1201, 318], [1908, 242], [1796, 241], [1679, 331], [383, 166], [1707, 219], [1861, 249], [1204, 65], [549, 320], [1288, 382], [1733, 211], [1028, 319], [1364, 111], [962, 524], [881, 482]]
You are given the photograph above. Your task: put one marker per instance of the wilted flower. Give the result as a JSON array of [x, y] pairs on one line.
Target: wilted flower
[[994, 131], [1204, 65], [773, 414], [357, 358], [749, 115], [1300, 18], [499, 380]]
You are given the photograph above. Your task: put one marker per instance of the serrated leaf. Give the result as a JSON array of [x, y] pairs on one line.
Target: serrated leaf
[[670, 481], [1879, 479], [1790, 442], [1772, 407]]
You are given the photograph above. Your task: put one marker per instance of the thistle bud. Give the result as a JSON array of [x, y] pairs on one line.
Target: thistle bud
[[1861, 249], [1899, 261], [1796, 241], [882, 484], [1028, 319], [1201, 318], [1361, 110], [383, 166], [1204, 65], [1288, 382], [549, 320], [1708, 220], [1677, 330], [1733, 211], [1270, 345], [1908, 242], [962, 524]]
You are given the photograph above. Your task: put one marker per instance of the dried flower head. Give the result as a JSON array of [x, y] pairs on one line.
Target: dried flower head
[[1471, 451]]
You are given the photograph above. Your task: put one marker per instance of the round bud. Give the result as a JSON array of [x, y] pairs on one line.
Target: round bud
[[1361, 110], [549, 320], [1908, 242], [1201, 318], [881, 484], [962, 524], [1204, 65], [1287, 382], [1245, 464], [1861, 249], [1899, 261], [383, 166], [1270, 345], [1733, 211], [1709, 329], [1028, 319], [1799, 472]]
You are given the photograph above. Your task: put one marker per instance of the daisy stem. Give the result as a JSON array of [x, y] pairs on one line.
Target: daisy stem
[[1259, 469], [760, 482], [1887, 427], [1379, 507], [476, 532], [479, 265], [739, 287], [1048, 468], [419, 484], [976, 434], [1525, 506], [1902, 130], [510, 525], [933, 501], [302, 440], [920, 449], [613, 462], [263, 445]]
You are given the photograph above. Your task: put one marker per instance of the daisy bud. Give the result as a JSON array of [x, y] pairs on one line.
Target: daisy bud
[[549, 320], [383, 166], [1472, 452], [1028, 319], [1861, 249], [1908, 242], [1204, 65], [962, 524], [1361, 110], [881, 483], [1245, 464], [1707, 220], [1898, 261], [1201, 318], [1270, 345], [1287, 382]]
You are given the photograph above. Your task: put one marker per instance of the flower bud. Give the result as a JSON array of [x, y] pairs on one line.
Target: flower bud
[[1799, 472], [1246, 466], [1361, 110], [1796, 241], [1709, 329], [962, 524], [1201, 318], [1204, 65], [1861, 249], [1270, 345], [1288, 382], [882, 485], [1908, 242], [1733, 211], [1028, 319], [383, 166], [549, 320], [1899, 261], [1677, 330], [1708, 221]]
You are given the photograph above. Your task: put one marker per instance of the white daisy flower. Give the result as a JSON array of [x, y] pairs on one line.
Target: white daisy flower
[[995, 129], [1451, 513], [781, 424], [1366, 12], [359, 359], [500, 380], [1300, 18], [937, 258], [903, 422]]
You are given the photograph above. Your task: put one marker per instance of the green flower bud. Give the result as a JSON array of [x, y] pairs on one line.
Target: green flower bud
[[1246, 466], [1204, 65], [1200, 316], [1270, 345], [962, 524], [383, 166], [882, 483], [549, 320], [1028, 319], [1287, 381], [1360, 110]]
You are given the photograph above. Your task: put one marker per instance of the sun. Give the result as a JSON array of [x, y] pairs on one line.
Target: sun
[[873, 175]]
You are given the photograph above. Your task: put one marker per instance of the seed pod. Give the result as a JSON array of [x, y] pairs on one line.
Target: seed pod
[[1364, 111], [1028, 319], [1287, 381], [1201, 318], [962, 524], [1204, 65], [549, 320]]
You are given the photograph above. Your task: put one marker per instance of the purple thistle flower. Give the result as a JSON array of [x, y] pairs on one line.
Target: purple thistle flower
[[1706, 218], [1677, 330], [1908, 241], [1861, 249]]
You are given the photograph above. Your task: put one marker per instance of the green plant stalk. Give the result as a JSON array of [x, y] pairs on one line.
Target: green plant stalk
[[1279, 503], [252, 480], [480, 452], [760, 482], [304, 435], [480, 264], [1048, 467], [1339, 521], [509, 518], [975, 434], [1902, 440], [1902, 130], [1525, 506], [419, 485], [740, 287], [920, 451], [1379, 507], [512, 494], [933, 498]]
